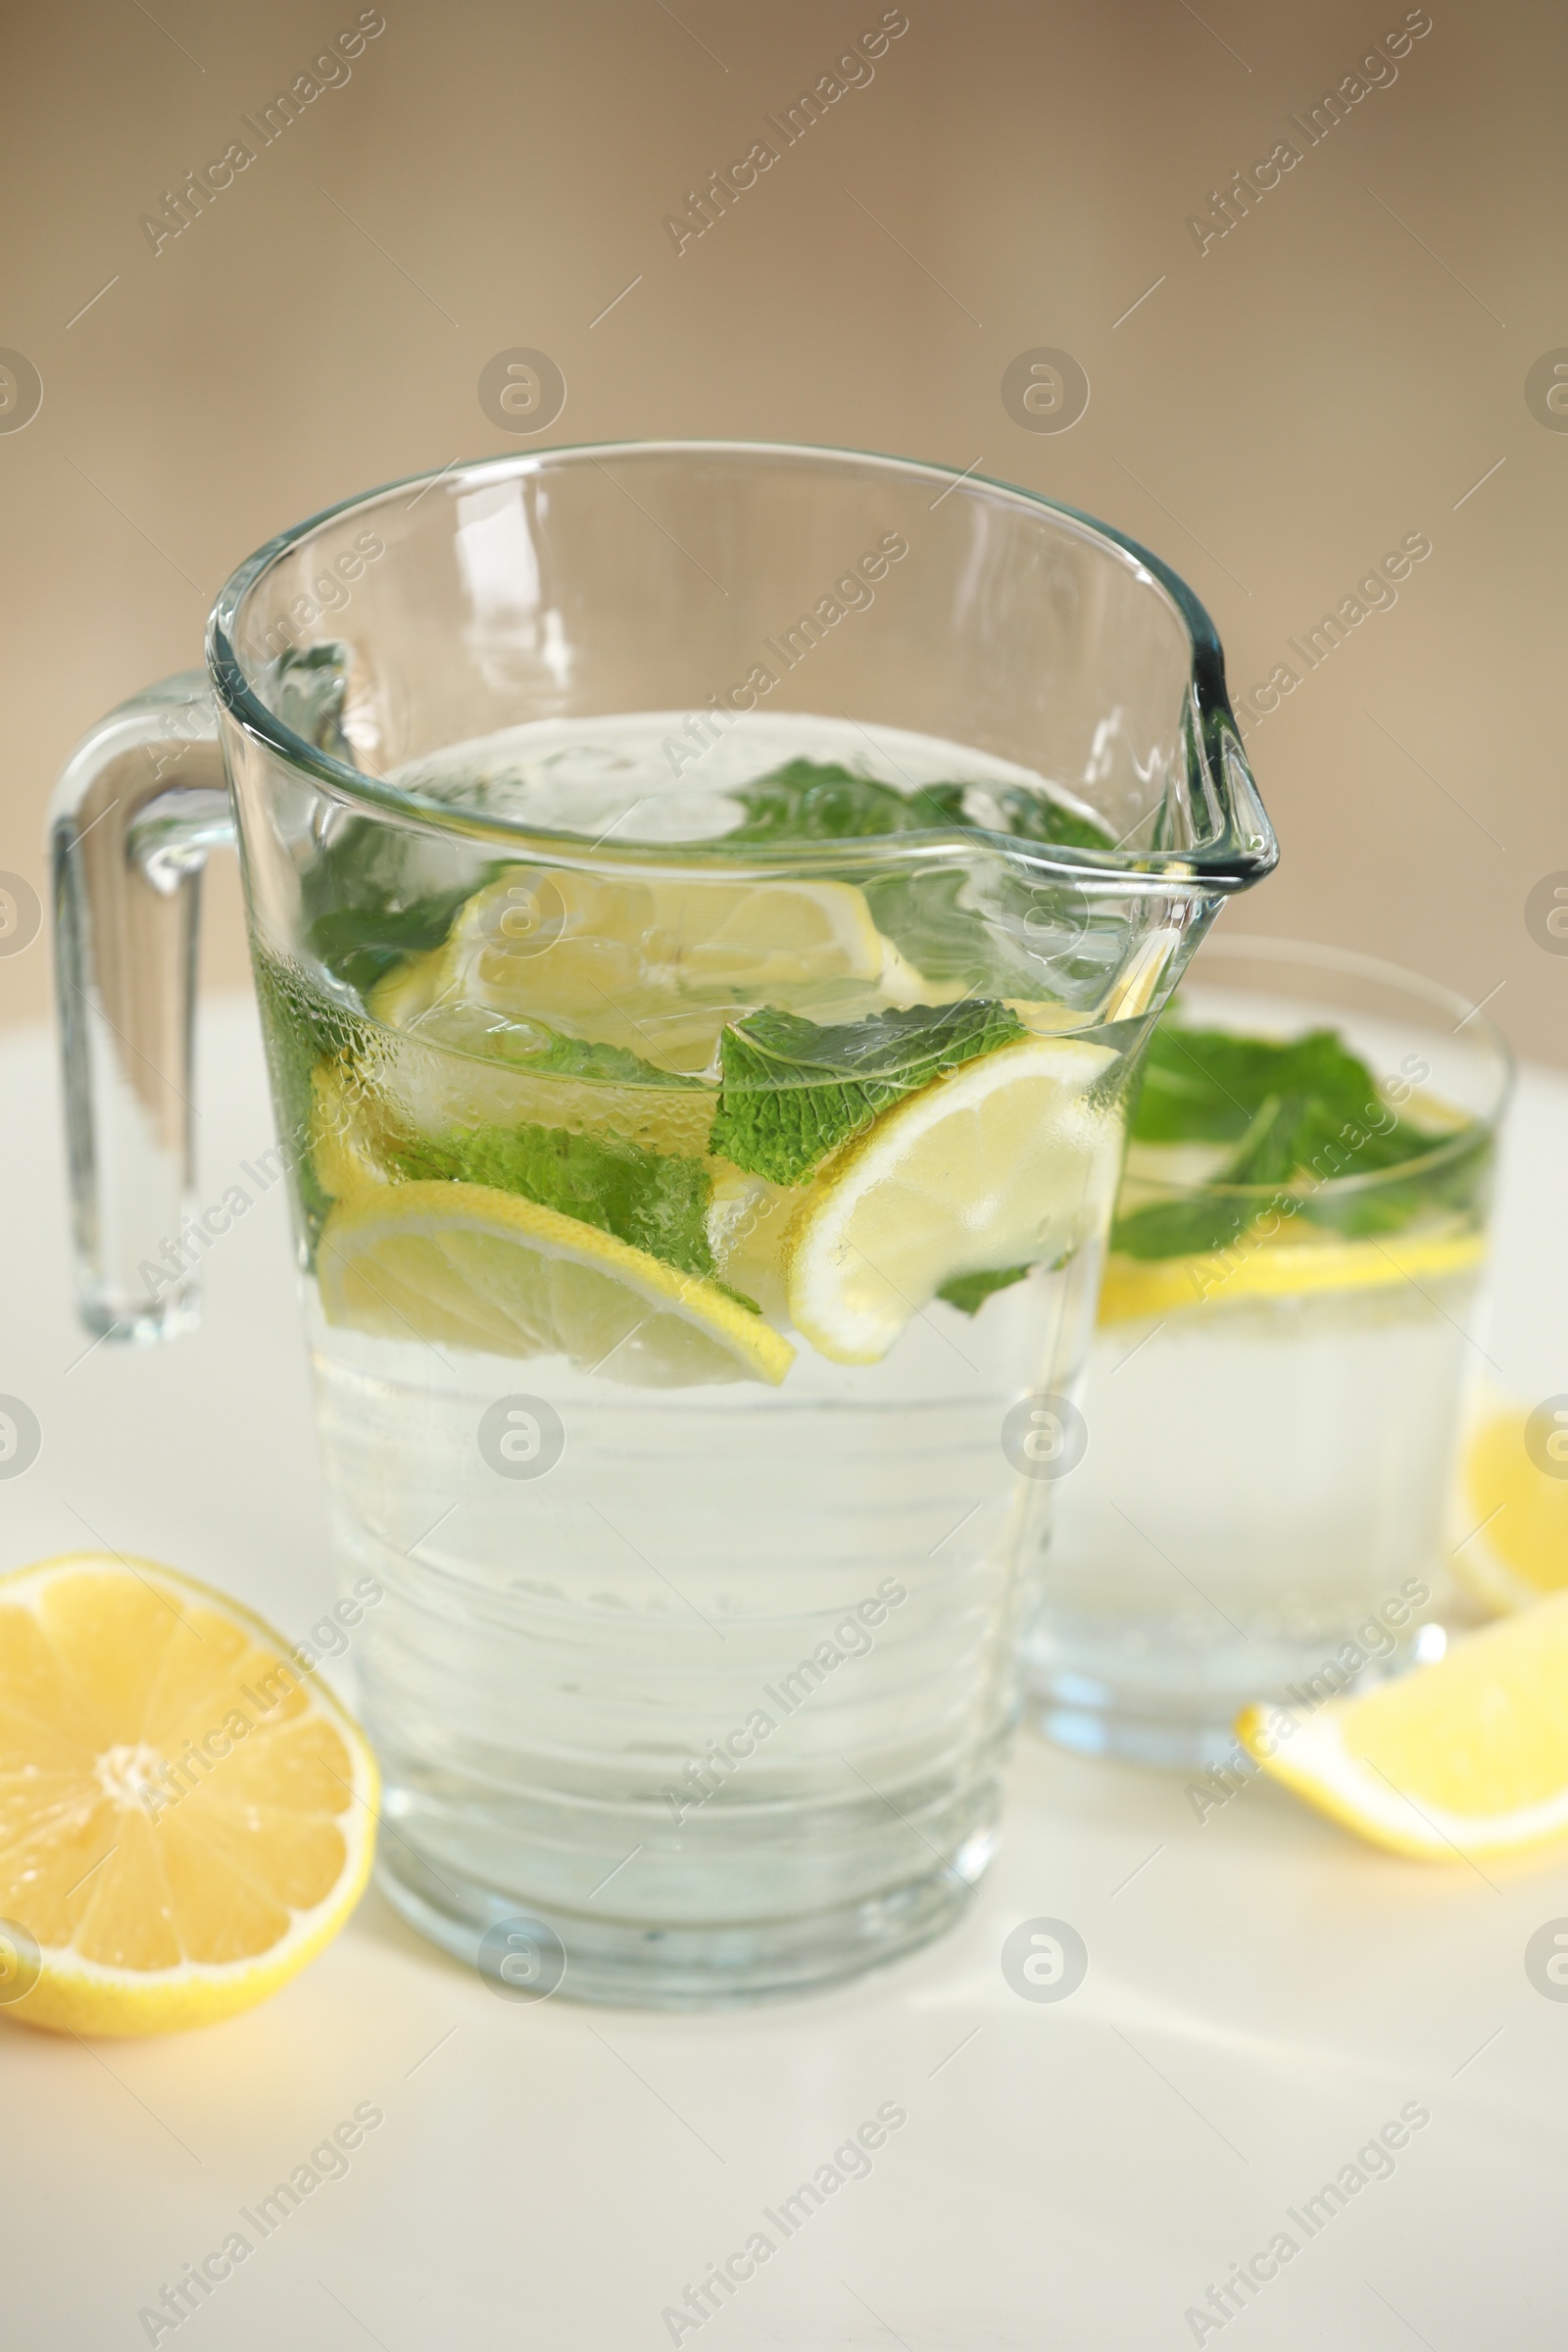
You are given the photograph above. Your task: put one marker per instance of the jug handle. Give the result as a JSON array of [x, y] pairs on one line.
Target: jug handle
[[141, 804]]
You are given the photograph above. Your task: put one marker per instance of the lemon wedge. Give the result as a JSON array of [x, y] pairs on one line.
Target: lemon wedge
[[748, 1225], [655, 966], [1519, 1549], [1004, 1162], [1135, 1287], [1452, 1762], [345, 1132], [189, 1816], [465, 1265]]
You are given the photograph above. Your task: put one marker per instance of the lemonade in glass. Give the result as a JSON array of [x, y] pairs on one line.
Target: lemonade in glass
[[1288, 1329]]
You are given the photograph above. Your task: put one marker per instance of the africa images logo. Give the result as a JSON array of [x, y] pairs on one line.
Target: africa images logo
[[707, 206], [181, 207]]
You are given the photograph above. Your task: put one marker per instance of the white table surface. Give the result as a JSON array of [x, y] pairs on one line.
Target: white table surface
[[1263, 1993]]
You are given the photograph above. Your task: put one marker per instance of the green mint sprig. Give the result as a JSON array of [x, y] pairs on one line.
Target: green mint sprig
[[1301, 1114], [653, 1200], [793, 1090]]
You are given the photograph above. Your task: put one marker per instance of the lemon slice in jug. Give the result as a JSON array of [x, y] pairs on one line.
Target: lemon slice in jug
[[654, 965], [466, 1265], [1005, 1162]]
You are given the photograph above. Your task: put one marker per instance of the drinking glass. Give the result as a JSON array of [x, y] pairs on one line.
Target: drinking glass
[[692, 1456], [1276, 1385]]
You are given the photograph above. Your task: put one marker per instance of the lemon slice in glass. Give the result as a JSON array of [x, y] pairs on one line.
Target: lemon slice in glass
[[345, 1132], [1457, 1760], [189, 1814], [465, 1265], [1007, 1161], [655, 966], [1305, 1260]]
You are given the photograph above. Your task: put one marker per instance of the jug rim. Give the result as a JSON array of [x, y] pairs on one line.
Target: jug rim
[[1240, 850]]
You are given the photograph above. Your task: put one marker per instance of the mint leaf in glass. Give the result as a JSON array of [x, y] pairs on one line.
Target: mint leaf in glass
[[1448, 1175], [373, 895], [820, 799], [1278, 1142], [1302, 1115], [793, 1090], [988, 934], [1208, 1085], [535, 1046], [1187, 1227], [654, 1201], [1028, 816], [358, 944], [968, 1293], [817, 800], [301, 1028]]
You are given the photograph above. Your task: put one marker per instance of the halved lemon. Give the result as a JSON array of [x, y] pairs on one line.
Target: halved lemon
[[1519, 1548], [1452, 1762], [1281, 1269], [187, 1815], [655, 966], [465, 1265], [1004, 1162]]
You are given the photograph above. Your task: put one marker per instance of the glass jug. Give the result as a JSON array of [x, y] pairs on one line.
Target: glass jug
[[706, 903]]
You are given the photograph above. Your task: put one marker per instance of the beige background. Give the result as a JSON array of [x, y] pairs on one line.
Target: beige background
[[1338, 372]]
